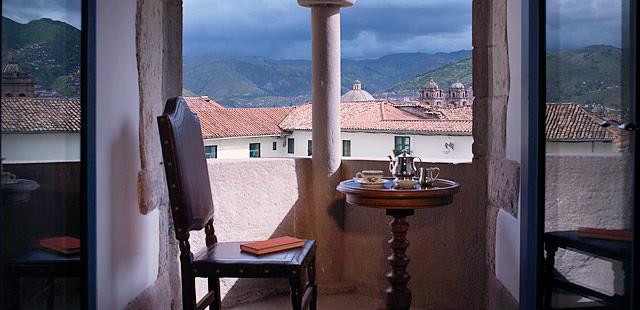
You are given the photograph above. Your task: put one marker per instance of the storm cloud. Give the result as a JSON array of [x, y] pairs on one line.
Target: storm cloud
[[281, 28]]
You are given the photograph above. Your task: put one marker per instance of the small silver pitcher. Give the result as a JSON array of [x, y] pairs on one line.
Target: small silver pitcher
[[427, 176]]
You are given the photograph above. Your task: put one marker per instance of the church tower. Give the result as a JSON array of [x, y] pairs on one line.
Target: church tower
[[458, 96], [16, 82], [432, 95]]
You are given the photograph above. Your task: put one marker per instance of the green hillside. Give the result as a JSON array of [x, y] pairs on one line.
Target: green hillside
[[239, 81], [49, 49], [588, 75]]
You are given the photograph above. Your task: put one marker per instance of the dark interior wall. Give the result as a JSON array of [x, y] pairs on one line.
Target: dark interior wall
[[53, 210]]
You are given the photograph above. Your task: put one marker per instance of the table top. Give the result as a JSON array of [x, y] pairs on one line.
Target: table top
[[391, 197]]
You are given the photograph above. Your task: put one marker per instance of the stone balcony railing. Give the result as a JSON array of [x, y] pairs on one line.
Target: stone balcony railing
[[258, 199]]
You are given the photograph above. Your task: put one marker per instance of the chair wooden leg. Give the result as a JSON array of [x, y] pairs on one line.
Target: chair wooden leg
[[548, 274], [296, 292], [188, 282], [311, 276], [214, 285]]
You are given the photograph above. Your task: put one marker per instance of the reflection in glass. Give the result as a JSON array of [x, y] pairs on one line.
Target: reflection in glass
[[588, 181], [41, 108]]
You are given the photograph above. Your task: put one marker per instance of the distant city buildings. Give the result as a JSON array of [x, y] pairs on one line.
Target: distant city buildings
[[371, 129]]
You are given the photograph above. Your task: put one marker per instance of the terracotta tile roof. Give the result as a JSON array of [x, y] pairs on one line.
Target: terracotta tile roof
[[222, 122], [37, 115], [378, 116], [425, 111], [572, 122], [202, 102]]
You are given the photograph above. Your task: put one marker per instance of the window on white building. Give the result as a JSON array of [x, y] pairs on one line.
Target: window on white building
[[275, 146], [211, 151], [254, 150], [309, 148], [346, 148], [401, 143], [290, 146]]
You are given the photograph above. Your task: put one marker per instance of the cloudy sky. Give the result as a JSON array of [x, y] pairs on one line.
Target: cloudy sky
[[281, 28], [372, 28]]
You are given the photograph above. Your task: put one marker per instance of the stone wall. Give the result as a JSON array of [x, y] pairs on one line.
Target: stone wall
[[588, 190], [491, 78]]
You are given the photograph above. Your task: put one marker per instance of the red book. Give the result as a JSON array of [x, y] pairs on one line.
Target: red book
[[64, 245], [610, 234], [272, 245]]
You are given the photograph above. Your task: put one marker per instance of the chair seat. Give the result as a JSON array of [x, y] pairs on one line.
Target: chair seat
[[225, 259]]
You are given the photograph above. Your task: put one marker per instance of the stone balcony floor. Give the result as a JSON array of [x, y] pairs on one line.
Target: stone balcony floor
[[325, 302]]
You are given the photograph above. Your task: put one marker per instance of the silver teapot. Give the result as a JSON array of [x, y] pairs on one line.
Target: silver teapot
[[403, 166]]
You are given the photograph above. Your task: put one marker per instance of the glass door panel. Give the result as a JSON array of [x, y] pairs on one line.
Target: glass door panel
[[41, 212], [589, 158]]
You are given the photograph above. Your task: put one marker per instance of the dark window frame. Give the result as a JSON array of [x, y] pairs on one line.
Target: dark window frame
[[274, 146], [211, 147], [291, 146], [403, 145], [346, 148], [532, 177], [253, 150], [309, 147]]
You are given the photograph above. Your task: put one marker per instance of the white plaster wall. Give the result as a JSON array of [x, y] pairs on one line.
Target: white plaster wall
[[127, 241], [580, 147], [507, 246], [44, 147], [237, 148], [377, 146]]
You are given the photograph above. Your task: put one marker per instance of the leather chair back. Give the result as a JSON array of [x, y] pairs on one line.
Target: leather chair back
[[185, 166]]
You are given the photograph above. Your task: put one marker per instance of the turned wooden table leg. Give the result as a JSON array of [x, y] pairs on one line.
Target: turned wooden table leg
[[398, 296]]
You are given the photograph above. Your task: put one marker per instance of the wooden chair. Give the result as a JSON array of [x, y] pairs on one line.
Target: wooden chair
[[192, 209]]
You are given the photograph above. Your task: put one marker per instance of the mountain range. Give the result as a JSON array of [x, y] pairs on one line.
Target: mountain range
[[237, 81], [49, 49]]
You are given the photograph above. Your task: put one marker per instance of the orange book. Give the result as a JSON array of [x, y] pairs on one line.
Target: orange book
[[272, 245], [64, 245], [610, 234]]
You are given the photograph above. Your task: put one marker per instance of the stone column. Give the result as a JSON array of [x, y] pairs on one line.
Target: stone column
[[327, 210]]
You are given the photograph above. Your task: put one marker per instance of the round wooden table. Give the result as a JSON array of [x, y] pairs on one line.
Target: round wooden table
[[399, 203]]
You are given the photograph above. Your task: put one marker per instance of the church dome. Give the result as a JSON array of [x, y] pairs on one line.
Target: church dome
[[456, 86], [432, 85], [356, 94]]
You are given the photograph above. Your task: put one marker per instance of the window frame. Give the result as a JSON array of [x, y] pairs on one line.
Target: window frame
[[274, 146], [215, 151], [254, 150], [309, 147], [291, 146], [346, 148], [402, 143]]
